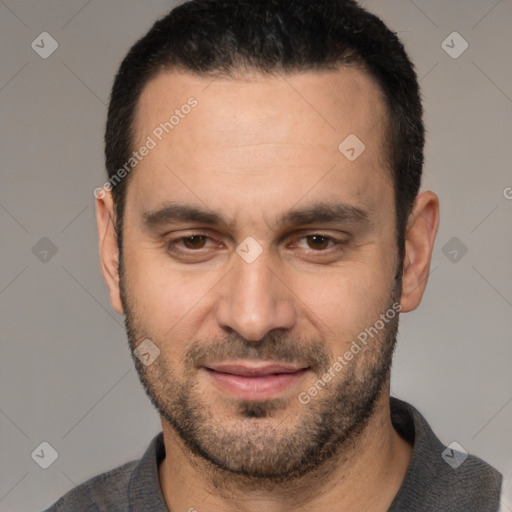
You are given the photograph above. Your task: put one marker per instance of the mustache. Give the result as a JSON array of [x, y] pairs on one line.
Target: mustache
[[276, 346]]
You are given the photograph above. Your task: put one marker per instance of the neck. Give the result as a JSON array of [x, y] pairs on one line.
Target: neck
[[364, 476]]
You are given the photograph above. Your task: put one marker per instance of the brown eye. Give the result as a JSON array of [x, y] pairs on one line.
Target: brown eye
[[194, 241], [318, 242]]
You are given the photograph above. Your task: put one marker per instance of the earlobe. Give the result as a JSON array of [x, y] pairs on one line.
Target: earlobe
[[108, 247], [419, 245]]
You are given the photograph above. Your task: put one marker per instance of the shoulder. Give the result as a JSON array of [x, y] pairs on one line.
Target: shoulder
[[134, 485], [440, 476], [102, 492]]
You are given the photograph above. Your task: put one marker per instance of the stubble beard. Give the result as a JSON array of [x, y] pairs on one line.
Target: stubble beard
[[263, 442]]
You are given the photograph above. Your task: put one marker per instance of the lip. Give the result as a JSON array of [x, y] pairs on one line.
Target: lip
[[255, 381]]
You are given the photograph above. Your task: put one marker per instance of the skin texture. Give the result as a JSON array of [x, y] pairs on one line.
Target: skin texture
[[253, 149]]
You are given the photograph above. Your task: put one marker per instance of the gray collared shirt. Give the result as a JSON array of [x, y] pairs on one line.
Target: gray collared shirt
[[438, 479]]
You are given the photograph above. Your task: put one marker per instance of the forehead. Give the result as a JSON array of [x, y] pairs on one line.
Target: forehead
[[276, 137], [346, 98]]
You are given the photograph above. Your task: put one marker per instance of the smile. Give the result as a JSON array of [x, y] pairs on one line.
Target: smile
[[247, 381]]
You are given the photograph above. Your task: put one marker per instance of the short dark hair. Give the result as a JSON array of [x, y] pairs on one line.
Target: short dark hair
[[273, 36]]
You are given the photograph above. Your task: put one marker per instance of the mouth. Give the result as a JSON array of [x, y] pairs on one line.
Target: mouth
[[255, 380]]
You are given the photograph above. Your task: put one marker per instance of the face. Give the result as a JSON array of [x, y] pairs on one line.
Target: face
[[255, 254]]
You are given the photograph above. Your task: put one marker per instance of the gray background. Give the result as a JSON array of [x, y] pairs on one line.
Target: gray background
[[66, 376]]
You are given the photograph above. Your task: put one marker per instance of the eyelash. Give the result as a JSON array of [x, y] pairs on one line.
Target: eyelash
[[172, 244]]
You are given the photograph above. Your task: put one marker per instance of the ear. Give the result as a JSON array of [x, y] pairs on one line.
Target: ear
[[109, 249], [419, 243]]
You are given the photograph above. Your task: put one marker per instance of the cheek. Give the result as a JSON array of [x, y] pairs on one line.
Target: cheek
[[342, 302], [164, 299]]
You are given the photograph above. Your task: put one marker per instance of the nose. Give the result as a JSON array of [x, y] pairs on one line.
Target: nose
[[254, 300]]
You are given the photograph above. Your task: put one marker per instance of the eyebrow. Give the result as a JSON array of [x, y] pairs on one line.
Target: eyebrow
[[319, 212], [326, 213]]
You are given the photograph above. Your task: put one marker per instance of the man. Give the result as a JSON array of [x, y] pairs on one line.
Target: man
[[261, 230]]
